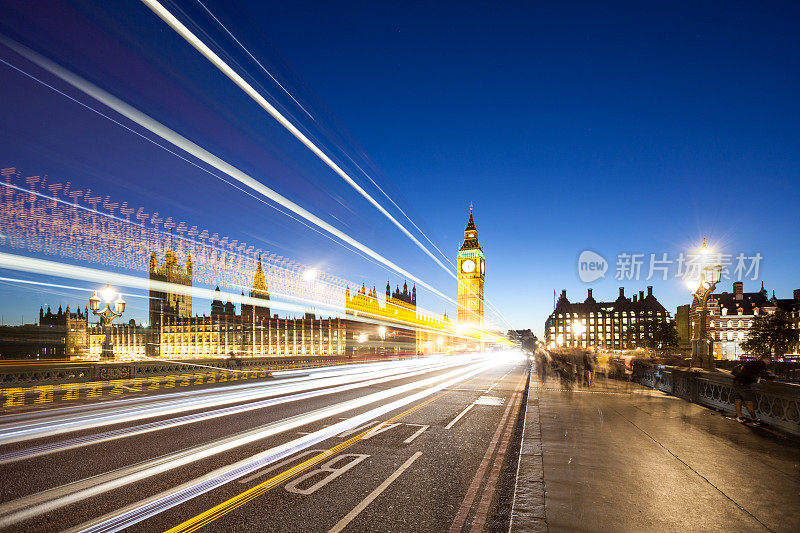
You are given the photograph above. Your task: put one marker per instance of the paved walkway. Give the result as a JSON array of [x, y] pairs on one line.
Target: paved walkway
[[622, 457]]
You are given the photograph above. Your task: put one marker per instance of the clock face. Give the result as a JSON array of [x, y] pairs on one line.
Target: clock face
[[483, 267], [468, 266]]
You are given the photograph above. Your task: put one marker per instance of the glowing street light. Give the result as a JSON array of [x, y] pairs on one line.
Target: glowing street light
[[107, 314], [702, 288]]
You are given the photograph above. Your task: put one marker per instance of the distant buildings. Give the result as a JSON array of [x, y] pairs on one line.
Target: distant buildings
[[730, 316], [371, 326], [621, 324]]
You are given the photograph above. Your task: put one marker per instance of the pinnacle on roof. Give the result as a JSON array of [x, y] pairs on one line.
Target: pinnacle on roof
[[471, 222]]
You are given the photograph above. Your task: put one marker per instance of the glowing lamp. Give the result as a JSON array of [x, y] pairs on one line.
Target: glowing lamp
[[714, 274], [94, 302], [107, 293], [119, 305]]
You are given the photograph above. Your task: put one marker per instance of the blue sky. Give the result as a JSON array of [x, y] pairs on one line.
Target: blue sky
[[615, 127]]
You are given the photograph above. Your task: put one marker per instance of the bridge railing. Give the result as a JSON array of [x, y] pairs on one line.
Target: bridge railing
[[13, 375], [777, 404]]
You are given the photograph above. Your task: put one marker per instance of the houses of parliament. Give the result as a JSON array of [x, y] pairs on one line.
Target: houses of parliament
[[387, 325]]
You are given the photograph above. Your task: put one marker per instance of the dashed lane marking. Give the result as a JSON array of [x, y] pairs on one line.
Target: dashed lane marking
[[457, 418]]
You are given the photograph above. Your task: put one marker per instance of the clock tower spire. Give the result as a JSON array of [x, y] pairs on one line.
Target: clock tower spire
[[471, 274]]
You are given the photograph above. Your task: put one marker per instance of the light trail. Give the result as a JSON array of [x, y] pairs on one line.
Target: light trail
[[280, 378], [13, 512], [54, 447], [200, 153], [52, 268], [165, 15], [172, 403], [154, 505], [256, 61], [226, 69], [189, 161]]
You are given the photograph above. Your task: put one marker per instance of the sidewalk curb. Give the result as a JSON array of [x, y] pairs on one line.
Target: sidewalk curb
[[528, 506]]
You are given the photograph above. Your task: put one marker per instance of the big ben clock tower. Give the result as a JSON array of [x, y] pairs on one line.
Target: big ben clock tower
[[471, 274]]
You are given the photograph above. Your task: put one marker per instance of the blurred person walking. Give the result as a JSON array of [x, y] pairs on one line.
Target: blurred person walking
[[744, 375]]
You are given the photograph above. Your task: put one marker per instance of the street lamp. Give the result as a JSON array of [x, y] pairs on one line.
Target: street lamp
[[702, 288], [577, 331], [106, 315], [382, 333]]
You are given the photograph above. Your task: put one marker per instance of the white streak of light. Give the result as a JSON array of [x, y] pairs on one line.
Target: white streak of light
[[154, 505], [192, 148], [226, 69], [38, 504]]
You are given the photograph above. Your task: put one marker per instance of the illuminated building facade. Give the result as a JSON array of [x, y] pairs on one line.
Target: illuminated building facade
[[471, 265], [394, 328], [371, 327], [731, 314], [169, 305], [623, 324]]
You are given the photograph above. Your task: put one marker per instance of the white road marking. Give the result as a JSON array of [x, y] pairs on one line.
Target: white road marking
[[456, 419], [356, 430], [498, 381], [416, 434], [327, 468], [372, 495], [280, 464], [380, 428], [490, 400]]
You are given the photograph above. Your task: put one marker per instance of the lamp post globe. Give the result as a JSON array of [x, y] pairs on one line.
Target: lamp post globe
[[702, 288], [107, 314]]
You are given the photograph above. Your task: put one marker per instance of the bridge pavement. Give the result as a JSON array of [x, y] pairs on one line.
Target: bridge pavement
[[622, 457]]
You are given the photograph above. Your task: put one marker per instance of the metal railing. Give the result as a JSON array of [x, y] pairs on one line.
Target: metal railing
[[777, 404]]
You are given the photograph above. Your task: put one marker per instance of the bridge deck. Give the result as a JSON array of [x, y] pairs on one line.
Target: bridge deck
[[622, 457]]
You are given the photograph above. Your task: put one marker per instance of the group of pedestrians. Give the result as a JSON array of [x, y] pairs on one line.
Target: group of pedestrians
[[571, 367]]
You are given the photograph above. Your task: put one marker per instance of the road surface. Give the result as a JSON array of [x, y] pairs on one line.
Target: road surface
[[417, 445]]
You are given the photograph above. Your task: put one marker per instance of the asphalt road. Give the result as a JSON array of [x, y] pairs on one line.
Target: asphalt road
[[420, 445]]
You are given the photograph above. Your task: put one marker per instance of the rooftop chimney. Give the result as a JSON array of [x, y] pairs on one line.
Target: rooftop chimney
[[738, 290], [590, 292], [564, 293], [641, 295], [649, 290], [622, 292], [634, 298]]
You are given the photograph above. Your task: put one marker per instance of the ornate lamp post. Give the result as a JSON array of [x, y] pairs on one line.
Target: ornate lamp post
[[106, 315], [702, 288]]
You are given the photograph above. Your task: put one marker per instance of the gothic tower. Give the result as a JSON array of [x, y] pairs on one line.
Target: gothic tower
[[259, 296], [164, 303], [471, 274]]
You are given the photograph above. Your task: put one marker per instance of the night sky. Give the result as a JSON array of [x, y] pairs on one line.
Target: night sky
[[571, 126]]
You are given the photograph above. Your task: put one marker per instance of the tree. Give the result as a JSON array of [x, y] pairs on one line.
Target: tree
[[771, 334], [664, 336]]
